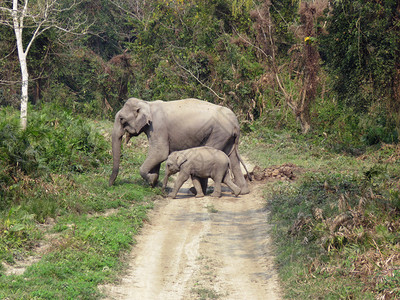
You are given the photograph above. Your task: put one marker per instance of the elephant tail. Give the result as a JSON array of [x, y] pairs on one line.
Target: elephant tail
[[235, 149], [241, 161]]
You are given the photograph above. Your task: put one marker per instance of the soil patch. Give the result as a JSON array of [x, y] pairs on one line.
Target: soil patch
[[286, 171]]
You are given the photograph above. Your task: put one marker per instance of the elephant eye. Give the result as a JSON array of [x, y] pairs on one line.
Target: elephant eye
[[123, 122]]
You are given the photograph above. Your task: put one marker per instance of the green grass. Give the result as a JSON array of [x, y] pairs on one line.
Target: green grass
[[86, 252], [77, 227], [205, 293], [336, 227], [211, 209], [95, 226]]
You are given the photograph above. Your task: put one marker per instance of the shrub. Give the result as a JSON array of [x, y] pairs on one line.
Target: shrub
[[54, 142]]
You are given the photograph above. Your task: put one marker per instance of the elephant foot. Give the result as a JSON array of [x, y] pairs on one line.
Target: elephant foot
[[193, 190], [152, 179], [237, 191], [244, 190], [171, 195], [216, 194]]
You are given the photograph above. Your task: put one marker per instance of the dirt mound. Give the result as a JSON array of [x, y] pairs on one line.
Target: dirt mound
[[284, 172]]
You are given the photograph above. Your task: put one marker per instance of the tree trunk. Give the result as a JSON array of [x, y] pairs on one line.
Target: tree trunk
[[24, 92], [18, 27], [304, 120]]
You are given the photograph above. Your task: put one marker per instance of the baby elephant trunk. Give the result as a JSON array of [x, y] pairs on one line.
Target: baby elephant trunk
[[167, 174]]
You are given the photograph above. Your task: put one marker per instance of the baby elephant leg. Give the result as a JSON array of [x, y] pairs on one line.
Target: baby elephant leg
[[203, 184], [228, 181], [197, 186], [217, 186], [182, 177]]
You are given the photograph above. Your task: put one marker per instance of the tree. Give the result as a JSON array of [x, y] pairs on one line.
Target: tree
[[361, 51], [306, 67], [296, 80], [29, 19], [184, 49]]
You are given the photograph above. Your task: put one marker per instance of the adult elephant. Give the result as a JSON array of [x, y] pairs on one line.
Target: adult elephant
[[177, 125]]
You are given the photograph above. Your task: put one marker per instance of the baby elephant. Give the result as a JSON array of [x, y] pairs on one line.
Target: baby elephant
[[200, 162]]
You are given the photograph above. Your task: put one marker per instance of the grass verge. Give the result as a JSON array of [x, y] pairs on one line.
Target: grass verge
[[63, 233], [336, 227]]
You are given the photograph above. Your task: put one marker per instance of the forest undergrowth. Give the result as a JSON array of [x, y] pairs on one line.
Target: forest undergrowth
[[336, 222], [63, 231]]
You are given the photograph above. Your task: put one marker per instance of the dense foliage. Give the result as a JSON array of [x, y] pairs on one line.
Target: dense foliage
[[169, 49], [56, 142], [361, 53], [361, 50]]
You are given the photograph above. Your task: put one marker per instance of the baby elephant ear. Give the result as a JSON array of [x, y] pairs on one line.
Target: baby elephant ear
[[181, 159]]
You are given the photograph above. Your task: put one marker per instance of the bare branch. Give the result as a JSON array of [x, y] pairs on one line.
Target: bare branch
[[269, 57], [198, 80], [136, 10]]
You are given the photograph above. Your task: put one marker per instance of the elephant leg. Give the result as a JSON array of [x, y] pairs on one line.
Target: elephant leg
[[237, 174], [150, 169], [182, 177], [204, 184], [217, 186], [197, 185], [228, 181], [154, 174]]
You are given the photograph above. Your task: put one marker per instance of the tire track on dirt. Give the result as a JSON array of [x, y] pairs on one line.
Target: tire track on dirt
[[206, 247]]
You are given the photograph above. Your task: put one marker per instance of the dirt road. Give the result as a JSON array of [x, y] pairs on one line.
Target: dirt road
[[202, 248]]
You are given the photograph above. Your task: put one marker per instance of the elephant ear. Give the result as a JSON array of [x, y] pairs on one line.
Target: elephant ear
[[143, 116], [181, 159]]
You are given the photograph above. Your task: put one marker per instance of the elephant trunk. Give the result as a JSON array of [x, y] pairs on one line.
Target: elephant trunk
[[165, 181], [116, 150]]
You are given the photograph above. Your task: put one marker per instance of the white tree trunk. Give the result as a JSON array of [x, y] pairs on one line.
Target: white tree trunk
[[24, 92], [18, 21]]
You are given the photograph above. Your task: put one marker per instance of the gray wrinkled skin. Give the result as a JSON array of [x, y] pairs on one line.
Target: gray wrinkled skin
[[198, 163]]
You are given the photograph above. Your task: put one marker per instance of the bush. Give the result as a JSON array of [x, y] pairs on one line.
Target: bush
[[16, 150], [54, 142]]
